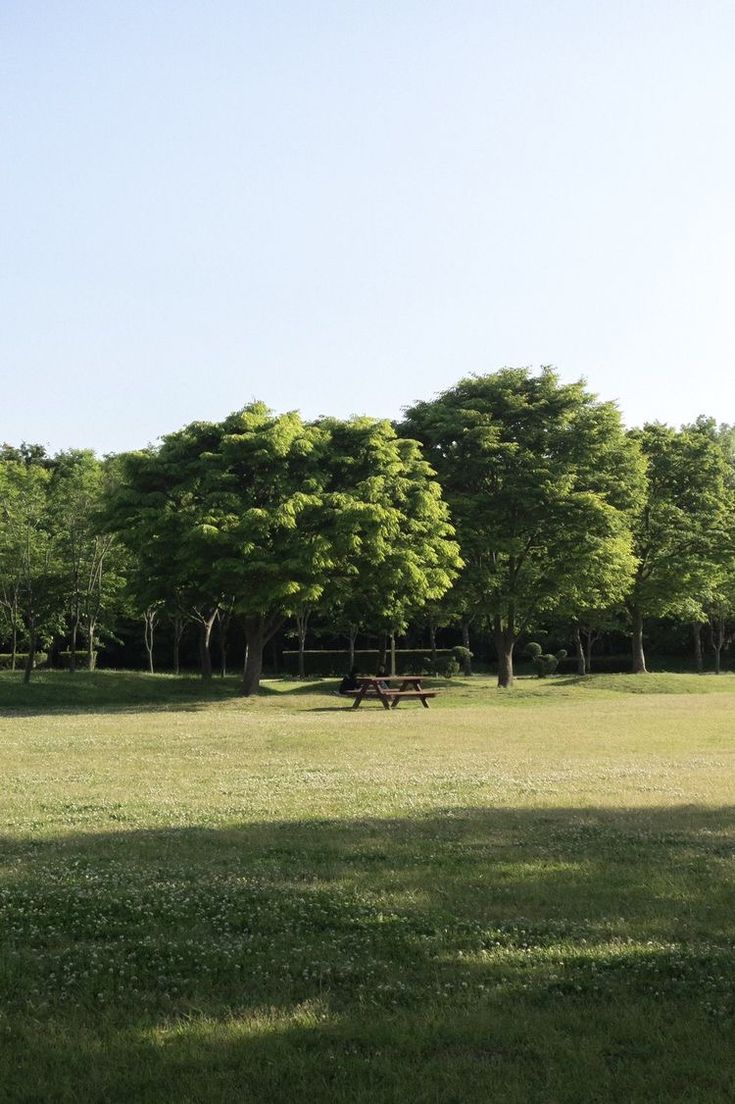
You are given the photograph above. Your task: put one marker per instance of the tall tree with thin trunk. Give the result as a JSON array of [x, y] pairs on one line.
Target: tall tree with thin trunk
[[683, 529]]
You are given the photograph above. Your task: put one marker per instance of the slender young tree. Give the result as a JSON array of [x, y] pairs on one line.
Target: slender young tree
[[29, 551], [91, 560]]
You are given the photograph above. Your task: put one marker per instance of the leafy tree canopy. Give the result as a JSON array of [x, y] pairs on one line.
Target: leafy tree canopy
[[540, 477]]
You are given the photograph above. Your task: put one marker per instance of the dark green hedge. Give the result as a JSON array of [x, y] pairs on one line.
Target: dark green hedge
[[6, 660], [64, 658], [337, 661]]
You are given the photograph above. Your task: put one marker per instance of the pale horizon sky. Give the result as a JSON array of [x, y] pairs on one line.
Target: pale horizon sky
[[343, 208]]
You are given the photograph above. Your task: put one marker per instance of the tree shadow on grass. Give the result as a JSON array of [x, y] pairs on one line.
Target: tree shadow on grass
[[463, 956], [131, 691], [109, 691]]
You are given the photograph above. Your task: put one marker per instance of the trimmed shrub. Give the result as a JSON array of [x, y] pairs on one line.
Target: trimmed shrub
[[464, 657], [446, 668], [544, 663]]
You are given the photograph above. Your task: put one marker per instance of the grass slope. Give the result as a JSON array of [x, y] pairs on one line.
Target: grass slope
[[513, 897]]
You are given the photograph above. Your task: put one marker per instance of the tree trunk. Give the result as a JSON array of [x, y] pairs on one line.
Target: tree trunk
[[31, 657], [255, 641], [224, 624], [588, 650], [258, 631], [274, 653], [149, 620], [467, 662], [14, 653], [581, 665], [352, 640], [383, 650], [205, 640], [253, 666], [639, 656], [302, 646], [393, 655], [302, 627], [718, 642], [432, 642], [91, 653], [73, 652], [698, 658], [504, 644], [178, 623]]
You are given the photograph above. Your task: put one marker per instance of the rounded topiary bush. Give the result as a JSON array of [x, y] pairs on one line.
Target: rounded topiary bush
[[544, 663], [463, 657]]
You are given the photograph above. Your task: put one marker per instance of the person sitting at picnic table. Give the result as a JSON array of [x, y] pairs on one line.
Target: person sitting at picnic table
[[349, 683], [383, 676]]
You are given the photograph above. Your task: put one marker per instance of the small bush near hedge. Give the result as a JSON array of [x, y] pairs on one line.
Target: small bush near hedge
[[6, 660]]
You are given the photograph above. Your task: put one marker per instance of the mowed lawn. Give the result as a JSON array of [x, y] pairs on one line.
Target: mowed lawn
[[510, 897]]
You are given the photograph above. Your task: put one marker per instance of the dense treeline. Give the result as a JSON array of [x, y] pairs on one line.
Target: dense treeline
[[512, 506]]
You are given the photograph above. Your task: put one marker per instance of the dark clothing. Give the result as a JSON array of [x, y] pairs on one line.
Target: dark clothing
[[348, 683]]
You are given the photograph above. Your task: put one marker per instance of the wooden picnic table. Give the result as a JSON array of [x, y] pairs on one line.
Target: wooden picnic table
[[374, 686]]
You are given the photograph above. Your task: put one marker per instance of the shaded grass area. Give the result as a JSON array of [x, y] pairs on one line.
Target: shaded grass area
[[474, 954], [108, 689]]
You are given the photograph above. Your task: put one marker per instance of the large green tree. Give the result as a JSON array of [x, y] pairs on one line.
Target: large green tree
[[540, 477], [396, 551], [279, 515]]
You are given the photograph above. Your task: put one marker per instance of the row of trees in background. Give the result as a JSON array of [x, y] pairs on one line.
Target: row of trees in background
[[508, 504]]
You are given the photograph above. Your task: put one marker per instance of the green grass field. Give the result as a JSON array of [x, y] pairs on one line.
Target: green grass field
[[511, 897]]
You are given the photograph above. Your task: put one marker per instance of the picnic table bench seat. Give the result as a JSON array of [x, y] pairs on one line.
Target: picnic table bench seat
[[411, 693]]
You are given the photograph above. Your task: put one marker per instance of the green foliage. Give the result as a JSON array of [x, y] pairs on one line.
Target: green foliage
[[544, 663], [445, 668], [92, 563], [684, 527], [462, 655], [282, 515], [540, 477], [30, 564]]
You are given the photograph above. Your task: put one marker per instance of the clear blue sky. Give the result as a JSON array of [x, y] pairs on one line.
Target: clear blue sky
[[344, 206]]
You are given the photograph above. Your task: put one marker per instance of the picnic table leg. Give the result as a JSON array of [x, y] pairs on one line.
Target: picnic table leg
[[424, 703], [360, 696], [385, 699]]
